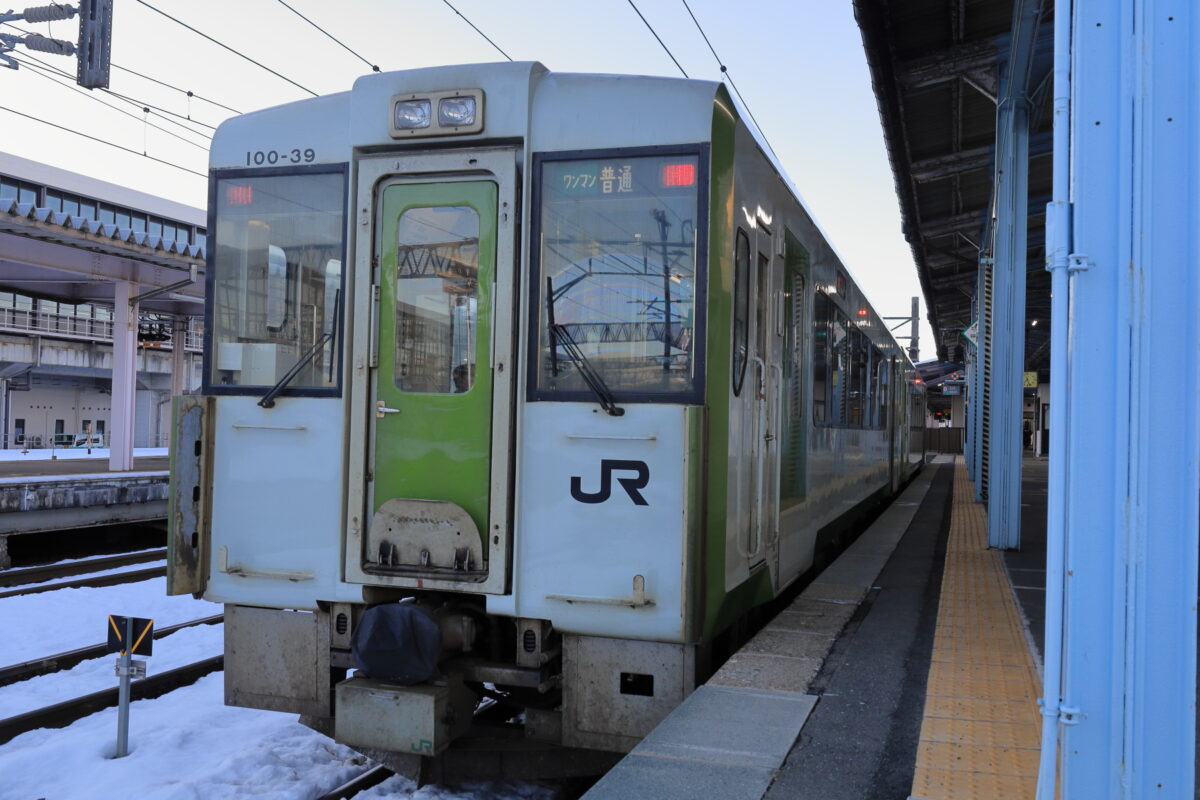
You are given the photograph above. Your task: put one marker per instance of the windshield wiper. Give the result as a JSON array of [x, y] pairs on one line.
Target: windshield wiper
[[268, 399], [560, 335]]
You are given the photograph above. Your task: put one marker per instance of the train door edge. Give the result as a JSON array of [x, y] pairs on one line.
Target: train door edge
[[363, 560]]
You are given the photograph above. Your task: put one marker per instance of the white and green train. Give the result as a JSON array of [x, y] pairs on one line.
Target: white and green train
[[517, 384]]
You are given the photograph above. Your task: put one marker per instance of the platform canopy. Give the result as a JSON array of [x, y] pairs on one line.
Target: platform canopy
[[937, 67], [73, 259]]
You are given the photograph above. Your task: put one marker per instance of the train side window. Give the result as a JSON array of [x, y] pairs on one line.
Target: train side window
[[878, 389], [741, 309], [856, 399], [839, 363], [822, 323], [436, 314]]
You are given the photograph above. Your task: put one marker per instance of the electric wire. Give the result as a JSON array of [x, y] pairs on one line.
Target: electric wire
[[102, 141], [41, 72], [141, 104], [374, 67], [476, 29], [725, 74], [656, 36], [187, 92], [238, 53]]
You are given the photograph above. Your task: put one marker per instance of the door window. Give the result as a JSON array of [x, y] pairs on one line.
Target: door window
[[437, 299]]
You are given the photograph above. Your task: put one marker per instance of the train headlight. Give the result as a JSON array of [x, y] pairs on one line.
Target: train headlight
[[451, 112], [412, 114], [456, 112]]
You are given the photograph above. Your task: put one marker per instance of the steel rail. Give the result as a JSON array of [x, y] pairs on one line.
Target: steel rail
[[133, 576], [372, 777], [63, 714], [61, 661], [20, 577]]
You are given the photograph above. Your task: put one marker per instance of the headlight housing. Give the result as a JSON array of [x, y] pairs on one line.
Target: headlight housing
[[458, 112]]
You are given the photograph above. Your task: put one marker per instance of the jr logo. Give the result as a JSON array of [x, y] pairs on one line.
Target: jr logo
[[630, 485]]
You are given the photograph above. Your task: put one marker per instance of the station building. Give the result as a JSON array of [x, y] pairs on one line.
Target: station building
[[57, 325]]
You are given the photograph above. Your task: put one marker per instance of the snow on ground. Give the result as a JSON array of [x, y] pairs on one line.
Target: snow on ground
[[180, 648], [46, 454], [187, 745], [98, 573], [38, 625]]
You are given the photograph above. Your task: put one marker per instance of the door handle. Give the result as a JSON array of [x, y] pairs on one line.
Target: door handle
[[381, 410]]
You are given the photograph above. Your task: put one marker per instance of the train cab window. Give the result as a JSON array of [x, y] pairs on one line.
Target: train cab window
[[618, 289], [741, 309], [436, 313], [275, 285]]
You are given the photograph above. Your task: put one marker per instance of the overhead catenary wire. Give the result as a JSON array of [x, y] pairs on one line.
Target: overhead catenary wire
[[374, 67], [236, 52], [102, 141], [42, 72], [725, 74], [187, 92], [133, 101], [659, 38], [476, 29]]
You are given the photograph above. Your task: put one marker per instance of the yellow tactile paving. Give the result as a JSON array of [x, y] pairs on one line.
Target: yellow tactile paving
[[980, 733]]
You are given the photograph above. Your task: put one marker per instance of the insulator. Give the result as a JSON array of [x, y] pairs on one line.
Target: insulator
[[49, 13], [44, 44]]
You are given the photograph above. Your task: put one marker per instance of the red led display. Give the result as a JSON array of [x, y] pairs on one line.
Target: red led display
[[679, 175], [239, 195]]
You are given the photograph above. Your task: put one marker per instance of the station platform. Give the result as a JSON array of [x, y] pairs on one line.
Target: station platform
[[44, 495], [907, 669]]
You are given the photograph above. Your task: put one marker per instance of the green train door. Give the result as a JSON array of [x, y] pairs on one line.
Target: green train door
[[433, 398]]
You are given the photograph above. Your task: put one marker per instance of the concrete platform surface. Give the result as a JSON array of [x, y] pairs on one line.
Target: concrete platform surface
[[731, 736], [76, 466]]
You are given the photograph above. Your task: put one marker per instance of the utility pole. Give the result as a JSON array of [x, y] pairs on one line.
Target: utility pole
[[914, 335], [93, 45]]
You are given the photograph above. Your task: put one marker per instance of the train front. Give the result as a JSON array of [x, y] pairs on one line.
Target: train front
[[448, 442]]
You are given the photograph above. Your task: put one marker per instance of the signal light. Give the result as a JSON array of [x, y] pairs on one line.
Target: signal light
[[862, 312], [679, 175], [239, 195]]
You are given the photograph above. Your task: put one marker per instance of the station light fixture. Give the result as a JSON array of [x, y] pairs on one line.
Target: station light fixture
[[448, 113]]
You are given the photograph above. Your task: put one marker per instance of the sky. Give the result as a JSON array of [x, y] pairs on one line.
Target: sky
[[799, 64]]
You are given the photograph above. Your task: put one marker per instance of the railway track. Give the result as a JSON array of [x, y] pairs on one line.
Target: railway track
[[372, 777], [63, 714], [29, 575], [132, 576], [62, 661]]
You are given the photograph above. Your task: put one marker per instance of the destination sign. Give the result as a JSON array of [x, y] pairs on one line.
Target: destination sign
[[629, 177]]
